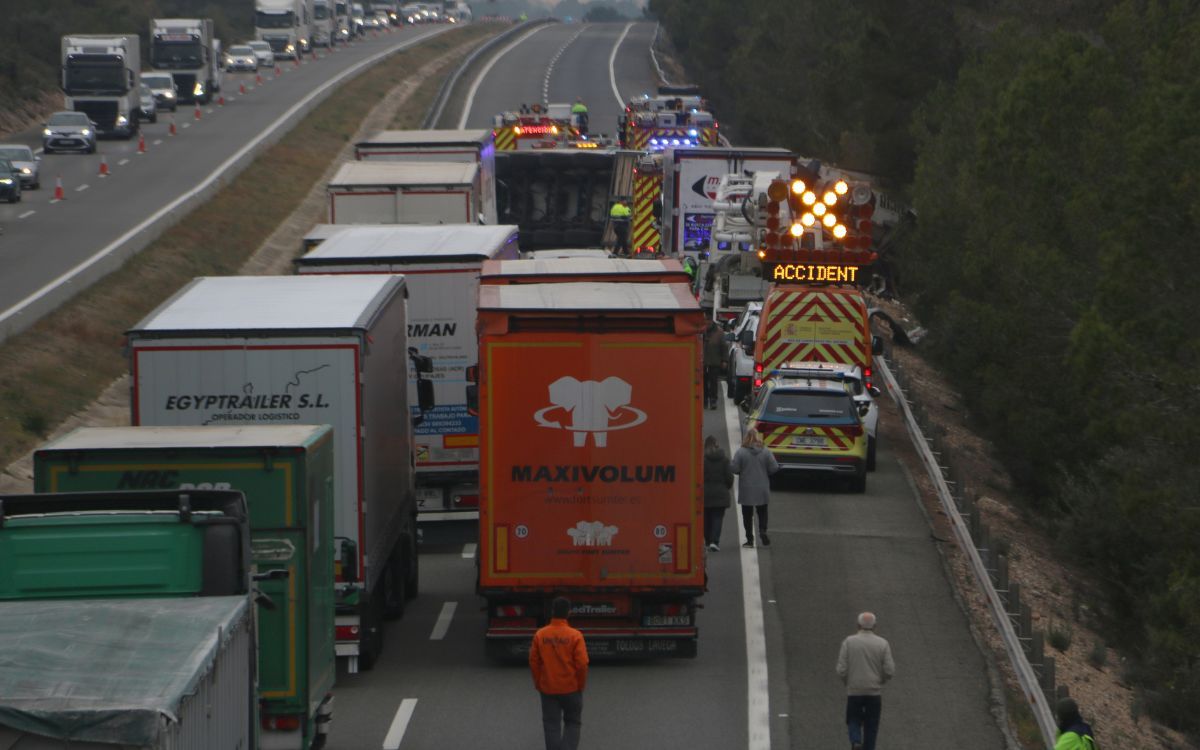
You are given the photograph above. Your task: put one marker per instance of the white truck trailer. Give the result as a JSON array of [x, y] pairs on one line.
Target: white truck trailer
[[185, 48], [324, 24], [441, 272], [690, 180], [305, 350], [286, 25], [100, 76], [476, 146], [371, 192]]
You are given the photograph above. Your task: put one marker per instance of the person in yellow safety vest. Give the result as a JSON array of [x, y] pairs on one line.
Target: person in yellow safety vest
[[579, 113], [620, 217]]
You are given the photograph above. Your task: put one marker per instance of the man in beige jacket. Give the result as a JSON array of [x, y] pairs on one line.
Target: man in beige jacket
[[865, 665]]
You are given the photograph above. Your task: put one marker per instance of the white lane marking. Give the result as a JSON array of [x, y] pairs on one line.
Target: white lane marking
[[81, 188], [158, 142], [758, 698], [213, 176], [612, 74], [468, 552], [186, 125], [553, 62], [122, 163], [443, 621], [462, 120], [27, 213], [399, 724]]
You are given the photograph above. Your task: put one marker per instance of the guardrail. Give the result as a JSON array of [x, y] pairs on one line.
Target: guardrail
[[1012, 618], [437, 108]]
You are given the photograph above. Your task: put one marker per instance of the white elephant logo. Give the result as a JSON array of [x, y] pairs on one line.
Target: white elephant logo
[[592, 534], [591, 407]]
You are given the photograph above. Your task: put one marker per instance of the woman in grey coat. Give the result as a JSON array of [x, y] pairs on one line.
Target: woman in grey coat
[[754, 464], [717, 481]]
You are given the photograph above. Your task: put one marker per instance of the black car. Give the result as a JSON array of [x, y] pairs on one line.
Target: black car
[[10, 181]]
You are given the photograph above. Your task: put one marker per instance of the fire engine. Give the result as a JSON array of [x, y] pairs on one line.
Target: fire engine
[[676, 117], [537, 126]]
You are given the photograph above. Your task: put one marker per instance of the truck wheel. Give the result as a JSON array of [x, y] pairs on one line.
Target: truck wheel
[[871, 442], [370, 644], [412, 568], [393, 584]]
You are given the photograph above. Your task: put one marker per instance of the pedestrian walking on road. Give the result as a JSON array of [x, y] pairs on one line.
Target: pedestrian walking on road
[[717, 481], [1073, 732], [714, 342], [754, 464], [620, 216], [865, 665], [558, 660]]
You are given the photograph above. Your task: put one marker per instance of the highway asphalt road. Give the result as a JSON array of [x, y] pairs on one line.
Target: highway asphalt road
[[44, 238], [833, 555]]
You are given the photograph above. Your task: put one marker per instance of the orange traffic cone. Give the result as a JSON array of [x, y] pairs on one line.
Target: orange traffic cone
[[278, 72], [258, 79], [197, 110], [221, 100], [141, 142], [59, 195], [103, 166], [296, 60], [242, 89], [171, 129]]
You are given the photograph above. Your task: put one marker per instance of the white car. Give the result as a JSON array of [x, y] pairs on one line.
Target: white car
[[739, 357], [864, 395], [241, 57], [264, 53]]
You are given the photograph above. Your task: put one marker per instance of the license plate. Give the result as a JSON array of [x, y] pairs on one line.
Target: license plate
[[429, 498], [809, 441], [652, 620]]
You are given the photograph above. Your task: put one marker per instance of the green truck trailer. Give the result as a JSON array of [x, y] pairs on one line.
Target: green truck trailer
[[286, 474], [126, 621]]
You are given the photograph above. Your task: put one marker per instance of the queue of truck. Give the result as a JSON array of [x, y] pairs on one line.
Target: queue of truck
[[428, 363]]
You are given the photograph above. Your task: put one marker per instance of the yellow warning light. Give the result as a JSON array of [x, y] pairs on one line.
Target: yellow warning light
[[829, 220], [830, 197], [841, 187], [819, 209], [516, 130], [797, 230], [839, 231], [762, 254], [554, 129], [808, 198], [808, 220], [798, 186]]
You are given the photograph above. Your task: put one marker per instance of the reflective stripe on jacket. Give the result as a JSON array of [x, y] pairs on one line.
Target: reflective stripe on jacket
[[558, 659]]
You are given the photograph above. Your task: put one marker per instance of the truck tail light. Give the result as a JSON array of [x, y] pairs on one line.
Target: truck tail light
[[758, 382], [758, 368], [510, 610], [346, 633], [467, 501], [853, 431], [284, 723]]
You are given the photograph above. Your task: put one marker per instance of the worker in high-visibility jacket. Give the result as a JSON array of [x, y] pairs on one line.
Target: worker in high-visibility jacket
[[620, 217], [579, 113]]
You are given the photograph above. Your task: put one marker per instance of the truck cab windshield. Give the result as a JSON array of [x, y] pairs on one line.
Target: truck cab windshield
[[176, 55], [264, 20], [321, 12], [84, 76]]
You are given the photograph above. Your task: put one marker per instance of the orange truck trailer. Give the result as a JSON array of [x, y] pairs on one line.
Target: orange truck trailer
[[590, 467]]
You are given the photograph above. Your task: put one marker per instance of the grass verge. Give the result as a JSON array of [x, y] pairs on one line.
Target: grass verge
[[62, 363]]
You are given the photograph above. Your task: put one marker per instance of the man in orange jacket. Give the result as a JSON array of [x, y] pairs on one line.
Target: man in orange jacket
[[559, 662]]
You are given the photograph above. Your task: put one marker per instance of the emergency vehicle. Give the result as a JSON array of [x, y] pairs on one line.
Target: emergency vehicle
[[670, 119], [536, 126]]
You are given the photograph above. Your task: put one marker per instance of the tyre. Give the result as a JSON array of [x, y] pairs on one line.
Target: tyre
[[394, 590], [412, 569], [154, 117], [858, 485], [47, 150], [370, 643], [871, 443], [14, 196], [91, 149], [36, 186]]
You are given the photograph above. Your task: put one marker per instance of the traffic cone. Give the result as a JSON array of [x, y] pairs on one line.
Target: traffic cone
[[103, 166], [258, 79], [278, 72], [221, 100], [141, 142], [296, 60], [242, 89], [171, 129], [59, 195], [197, 110]]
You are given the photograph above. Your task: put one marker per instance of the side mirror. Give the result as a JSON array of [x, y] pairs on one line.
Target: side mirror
[[874, 391], [744, 405], [746, 338], [876, 345], [421, 363], [863, 409]]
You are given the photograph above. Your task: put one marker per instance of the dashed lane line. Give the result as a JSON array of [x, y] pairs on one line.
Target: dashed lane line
[[27, 213], [468, 552], [443, 621], [399, 726]]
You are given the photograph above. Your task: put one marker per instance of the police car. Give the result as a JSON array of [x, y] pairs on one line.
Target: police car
[[860, 387], [813, 425]]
